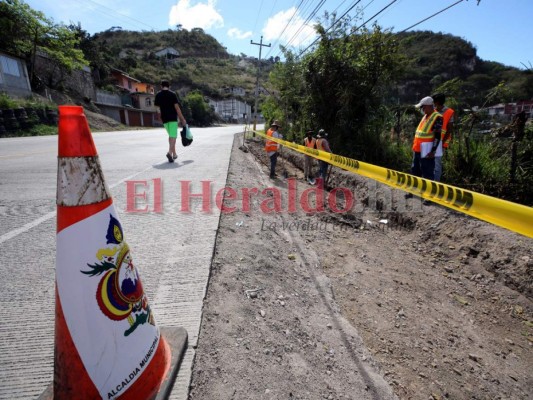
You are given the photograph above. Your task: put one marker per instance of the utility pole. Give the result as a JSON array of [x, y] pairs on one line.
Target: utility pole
[[261, 45]]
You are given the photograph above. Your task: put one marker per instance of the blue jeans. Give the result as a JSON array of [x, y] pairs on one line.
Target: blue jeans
[[423, 167], [438, 168], [273, 160], [323, 169]]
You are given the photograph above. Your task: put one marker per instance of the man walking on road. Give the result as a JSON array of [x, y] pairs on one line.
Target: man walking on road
[[272, 147], [447, 131], [168, 111]]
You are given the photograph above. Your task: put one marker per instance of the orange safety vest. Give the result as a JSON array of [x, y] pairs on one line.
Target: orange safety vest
[[310, 143], [320, 144], [446, 116], [269, 144], [424, 132]]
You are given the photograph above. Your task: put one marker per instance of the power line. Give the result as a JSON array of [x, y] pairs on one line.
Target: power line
[[119, 13], [383, 42], [375, 15], [288, 22], [258, 14], [433, 15], [313, 13], [261, 45], [304, 23], [343, 1], [331, 26], [379, 12]]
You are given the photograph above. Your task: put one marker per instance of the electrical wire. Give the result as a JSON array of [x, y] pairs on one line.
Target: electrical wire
[[314, 12], [305, 39], [433, 15], [299, 30], [402, 31], [331, 26], [118, 13], [258, 14], [286, 25], [375, 15], [369, 48]]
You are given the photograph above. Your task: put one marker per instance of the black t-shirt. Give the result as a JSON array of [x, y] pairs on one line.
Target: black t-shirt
[[166, 100]]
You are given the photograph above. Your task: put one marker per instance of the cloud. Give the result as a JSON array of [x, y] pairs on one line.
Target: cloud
[[238, 34], [200, 15], [296, 32]]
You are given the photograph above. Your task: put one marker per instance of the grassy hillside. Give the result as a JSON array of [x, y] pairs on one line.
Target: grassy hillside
[[203, 64], [434, 58], [430, 59]]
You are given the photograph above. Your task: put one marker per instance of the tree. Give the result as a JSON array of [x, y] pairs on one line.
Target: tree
[[26, 31], [197, 110], [340, 87]]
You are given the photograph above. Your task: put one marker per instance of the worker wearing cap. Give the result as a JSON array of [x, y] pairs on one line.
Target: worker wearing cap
[[427, 139], [309, 141], [272, 147], [322, 144]]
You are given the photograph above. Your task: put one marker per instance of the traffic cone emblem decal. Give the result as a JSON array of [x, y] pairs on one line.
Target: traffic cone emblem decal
[[107, 344], [120, 292]]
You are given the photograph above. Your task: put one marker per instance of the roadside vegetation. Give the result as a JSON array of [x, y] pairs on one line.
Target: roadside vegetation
[[358, 84], [361, 89]]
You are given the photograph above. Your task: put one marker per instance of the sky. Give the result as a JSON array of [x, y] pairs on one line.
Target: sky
[[501, 30]]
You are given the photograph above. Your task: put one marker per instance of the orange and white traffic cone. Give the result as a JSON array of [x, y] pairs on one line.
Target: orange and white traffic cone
[[107, 344]]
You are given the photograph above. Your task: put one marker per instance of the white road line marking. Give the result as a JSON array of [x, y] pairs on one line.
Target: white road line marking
[[36, 222]]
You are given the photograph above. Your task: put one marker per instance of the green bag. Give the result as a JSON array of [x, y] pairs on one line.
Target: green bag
[[186, 136]]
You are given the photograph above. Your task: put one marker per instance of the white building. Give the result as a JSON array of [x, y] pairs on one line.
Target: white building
[[231, 110]]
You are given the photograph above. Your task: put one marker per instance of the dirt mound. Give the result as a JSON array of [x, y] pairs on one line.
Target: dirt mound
[[99, 122], [312, 305]]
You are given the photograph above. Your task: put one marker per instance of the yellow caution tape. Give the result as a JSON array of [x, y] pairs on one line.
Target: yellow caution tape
[[515, 217]]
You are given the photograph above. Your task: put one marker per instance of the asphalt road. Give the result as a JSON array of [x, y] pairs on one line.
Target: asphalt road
[[172, 248]]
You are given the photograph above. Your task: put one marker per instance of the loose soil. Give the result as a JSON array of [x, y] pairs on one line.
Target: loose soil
[[394, 299]]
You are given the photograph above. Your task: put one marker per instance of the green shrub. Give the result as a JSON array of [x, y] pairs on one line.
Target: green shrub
[[6, 102]]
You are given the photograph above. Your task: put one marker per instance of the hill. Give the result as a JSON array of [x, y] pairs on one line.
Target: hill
[[203, 63], [430, 59], [434, 58]]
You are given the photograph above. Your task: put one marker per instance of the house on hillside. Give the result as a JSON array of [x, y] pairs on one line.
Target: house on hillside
[[143, 101], [145, 88], [170, 54], [123, 81], [507, 110], [136, 101], [14, 78]]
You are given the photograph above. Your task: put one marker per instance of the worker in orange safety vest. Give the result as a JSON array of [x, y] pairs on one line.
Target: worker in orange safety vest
[[448, 116], [426, 142], [272, 147], [322, 144], [309, 141]]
